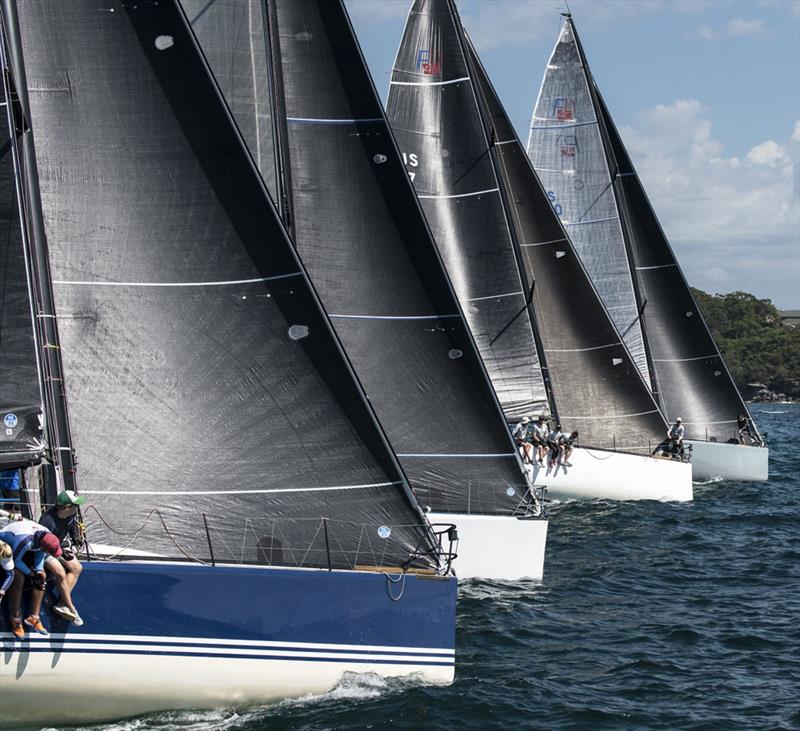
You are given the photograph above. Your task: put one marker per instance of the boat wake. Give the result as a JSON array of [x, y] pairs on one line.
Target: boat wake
[[708, 482]]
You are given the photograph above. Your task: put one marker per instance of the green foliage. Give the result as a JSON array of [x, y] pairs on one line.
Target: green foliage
[[754, 344]]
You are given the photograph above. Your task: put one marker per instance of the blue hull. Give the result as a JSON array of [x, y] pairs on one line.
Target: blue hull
[[161, 636]]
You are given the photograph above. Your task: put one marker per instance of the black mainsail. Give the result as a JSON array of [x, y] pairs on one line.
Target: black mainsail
[[360, 231], [434, 118], [595, 385], [21, 405], [687, 372], [205, 379]]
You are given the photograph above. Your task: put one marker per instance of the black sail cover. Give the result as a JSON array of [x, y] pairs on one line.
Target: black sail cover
[[361, 233], [566, 148], [598, 388], [691, 379], [233, 37], [20, 396], [202, 372], [436, 123]]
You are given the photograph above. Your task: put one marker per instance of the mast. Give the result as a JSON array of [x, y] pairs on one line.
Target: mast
[[528, 284], [62, 454], [614, 173]]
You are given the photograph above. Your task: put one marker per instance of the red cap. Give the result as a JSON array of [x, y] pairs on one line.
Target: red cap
[[51, 544]]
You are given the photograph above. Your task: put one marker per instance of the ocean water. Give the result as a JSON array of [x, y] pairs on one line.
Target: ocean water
[[650, 616]]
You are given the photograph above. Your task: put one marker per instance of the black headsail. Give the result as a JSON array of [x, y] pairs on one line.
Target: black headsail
[[692, 380], [432, 109], [21, 400], [566, 148], [595, 382], [203, 375], [361, 233]]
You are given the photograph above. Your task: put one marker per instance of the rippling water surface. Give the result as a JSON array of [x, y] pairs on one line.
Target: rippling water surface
[[650, 616]]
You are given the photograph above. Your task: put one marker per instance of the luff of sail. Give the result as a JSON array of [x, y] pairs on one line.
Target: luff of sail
[[692, 379], [361, 233], [21, 410], [595, 382], [204, 377], [567, 152], [432, 110]]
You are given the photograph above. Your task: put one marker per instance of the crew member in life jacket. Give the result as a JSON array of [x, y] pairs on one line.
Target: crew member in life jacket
[[520, 434], [675, 436], [63, 521], [31, 543]]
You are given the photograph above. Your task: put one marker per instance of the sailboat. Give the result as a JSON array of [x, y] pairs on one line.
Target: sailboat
[[251, 535], [548, 343], [358, 227], [596, 191]]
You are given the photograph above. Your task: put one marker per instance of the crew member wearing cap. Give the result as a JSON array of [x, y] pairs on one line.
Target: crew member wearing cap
[[30, 542], [675, 436], [520, 434], [63, 520]]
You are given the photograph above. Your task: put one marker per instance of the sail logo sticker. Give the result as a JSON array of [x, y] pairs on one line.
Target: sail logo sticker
[[564, 109], [429, 62], [384, 531], [10, 420], [557, 207], [568, 145]]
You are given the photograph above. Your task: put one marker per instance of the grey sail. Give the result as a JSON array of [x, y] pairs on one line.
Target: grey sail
[[435, 120], [595, 382], [692, 381], [233, 37], [360, 231], [567, 152], [21, 409], [204, 377]]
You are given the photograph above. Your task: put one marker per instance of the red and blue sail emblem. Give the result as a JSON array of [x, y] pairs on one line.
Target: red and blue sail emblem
[[568, 145], [429, 62], [564, 109]]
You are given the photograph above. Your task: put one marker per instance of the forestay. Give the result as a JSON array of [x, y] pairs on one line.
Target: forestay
[[362, 235], [567, 152], [595, 383], [437, 125], [203, 375], [21, 440], [691, 378]]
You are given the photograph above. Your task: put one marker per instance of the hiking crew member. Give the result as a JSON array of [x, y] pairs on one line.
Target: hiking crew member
[[539, 439], [520, 435], [63, 521], [567, 445], [675, 436], [554, 443], [31, 543]]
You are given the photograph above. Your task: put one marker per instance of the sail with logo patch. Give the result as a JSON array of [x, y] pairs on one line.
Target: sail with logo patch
[[566, 149], [205, 380], [360, 231], [434, 118], [21, 407]]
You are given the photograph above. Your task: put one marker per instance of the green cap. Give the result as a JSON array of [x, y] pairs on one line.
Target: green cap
[[68, 497]]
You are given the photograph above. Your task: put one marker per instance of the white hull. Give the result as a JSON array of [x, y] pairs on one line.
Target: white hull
[[497, 547], [111, 686], [615, 476], [716, 460]]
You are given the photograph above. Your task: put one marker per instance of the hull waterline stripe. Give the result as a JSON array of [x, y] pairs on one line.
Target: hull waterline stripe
[[459, 195], [392, 317], [594, 220], [237, 492], [580, 350], [684, 360], [427, 83], [214, 641], [493, 296], [314, 120], [659, 266], [177, 284], [459, 456]]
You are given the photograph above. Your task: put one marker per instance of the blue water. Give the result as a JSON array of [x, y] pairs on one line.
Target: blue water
[[650, 616]]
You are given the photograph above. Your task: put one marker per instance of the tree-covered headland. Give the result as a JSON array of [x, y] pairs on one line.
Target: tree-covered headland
[[756, 347]]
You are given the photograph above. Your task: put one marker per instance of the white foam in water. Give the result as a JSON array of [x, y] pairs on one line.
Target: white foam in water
[[214, 720]]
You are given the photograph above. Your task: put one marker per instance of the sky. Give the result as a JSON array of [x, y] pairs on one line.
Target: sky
[[706, 94]]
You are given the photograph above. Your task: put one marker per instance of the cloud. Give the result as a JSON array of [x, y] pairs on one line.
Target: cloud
[[734, 221], [734, 28]]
